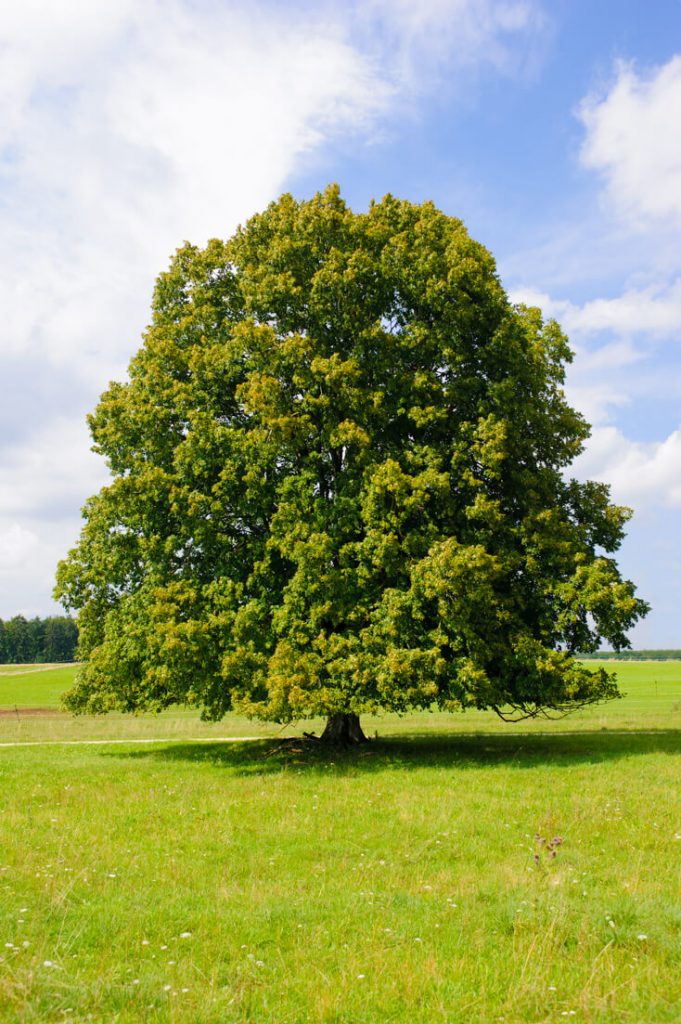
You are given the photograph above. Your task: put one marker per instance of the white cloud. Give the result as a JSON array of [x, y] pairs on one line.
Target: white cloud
[[126, 128], [608, 338], [44, 480], [611, 339], [640, 473], [611, 276], [655, 310], [15, 543], [27, 580], [590, 386], [418, 38], [633, 139], [50, 472], [128, 133]]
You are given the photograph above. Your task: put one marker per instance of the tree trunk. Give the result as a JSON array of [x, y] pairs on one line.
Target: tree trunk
[[343, 730]]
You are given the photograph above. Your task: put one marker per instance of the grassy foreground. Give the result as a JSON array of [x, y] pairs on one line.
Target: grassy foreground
[[409, 881]]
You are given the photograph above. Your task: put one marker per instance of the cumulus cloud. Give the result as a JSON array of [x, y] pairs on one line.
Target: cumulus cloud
[[609, 336], [126, 134], [655, 309], [640, 473], [127, 128], [633, 140]]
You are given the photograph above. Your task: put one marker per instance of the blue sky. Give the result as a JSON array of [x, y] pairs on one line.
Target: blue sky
[[551, 129]]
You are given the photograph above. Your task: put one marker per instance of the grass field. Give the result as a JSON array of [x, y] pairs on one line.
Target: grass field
[[33, 685], [243, 882]]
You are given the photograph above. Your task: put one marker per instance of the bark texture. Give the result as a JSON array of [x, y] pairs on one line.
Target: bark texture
[[343, 730]]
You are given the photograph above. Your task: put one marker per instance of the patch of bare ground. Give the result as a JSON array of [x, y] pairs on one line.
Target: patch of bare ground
[[30, 713]]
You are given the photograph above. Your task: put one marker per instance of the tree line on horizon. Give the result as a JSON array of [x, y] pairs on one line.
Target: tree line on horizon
[[38, 641], [647, 655]]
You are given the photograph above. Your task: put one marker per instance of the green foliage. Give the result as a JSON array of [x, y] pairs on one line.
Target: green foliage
[[26, 641], [338, 485]]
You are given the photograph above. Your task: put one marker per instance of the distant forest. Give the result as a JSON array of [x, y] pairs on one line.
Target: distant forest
[[635, 655], [32, 641]]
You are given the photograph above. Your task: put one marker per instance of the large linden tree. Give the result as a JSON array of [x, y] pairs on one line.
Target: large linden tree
[[339, 485]]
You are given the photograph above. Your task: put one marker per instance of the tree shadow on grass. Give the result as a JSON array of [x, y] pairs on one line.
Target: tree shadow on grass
[[456, 751]]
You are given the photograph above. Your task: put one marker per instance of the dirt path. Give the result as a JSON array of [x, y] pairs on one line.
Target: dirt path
[[18, 712], [160, 739], [29, 670]]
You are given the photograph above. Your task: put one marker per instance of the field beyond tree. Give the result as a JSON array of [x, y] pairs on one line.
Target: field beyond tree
[[455, 869]]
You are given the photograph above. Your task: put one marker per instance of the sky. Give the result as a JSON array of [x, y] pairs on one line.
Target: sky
[[550, 128]]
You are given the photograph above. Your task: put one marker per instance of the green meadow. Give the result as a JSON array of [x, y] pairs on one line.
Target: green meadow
[[457, 869], [33, 686]]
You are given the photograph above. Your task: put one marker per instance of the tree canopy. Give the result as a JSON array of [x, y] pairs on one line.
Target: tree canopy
[[339, 485]]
